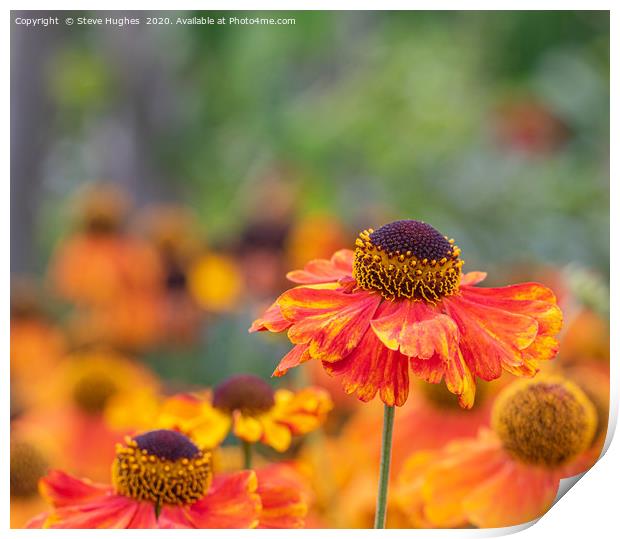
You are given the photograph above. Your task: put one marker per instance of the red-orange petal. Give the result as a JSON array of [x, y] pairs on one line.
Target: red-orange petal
[[490, 338], [284, 497], [528, 299], [111, 511], [144, 517], [298, 355], [430, 370], [272, 320], [61, 489], [331, 322], [416, 330], [231, 502], [513, 495], [373, 368], [323, 271]]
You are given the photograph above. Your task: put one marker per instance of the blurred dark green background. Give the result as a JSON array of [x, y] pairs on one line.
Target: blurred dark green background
[[492, 126]]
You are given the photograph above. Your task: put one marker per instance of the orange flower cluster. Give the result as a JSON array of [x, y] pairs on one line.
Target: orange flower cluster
[[486, 425]]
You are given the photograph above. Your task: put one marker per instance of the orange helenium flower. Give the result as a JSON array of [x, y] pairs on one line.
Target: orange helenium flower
[[399, 302], [541, 432], [160, 480], [251, 408]]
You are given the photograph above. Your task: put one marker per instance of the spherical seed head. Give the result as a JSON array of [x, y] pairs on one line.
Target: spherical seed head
[[544, 422], [407, 259], [27, 466], [163, 467], [409, 235], [167, 444], [245, 392]]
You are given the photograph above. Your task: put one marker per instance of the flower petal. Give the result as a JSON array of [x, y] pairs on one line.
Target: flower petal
[[417, 330], [272, 320], [459, 469], [302, 411], [231, 502], [323, 271], [528, 299], [430, 370], [282, 493], [330, 321], [490, 338], [515, 494], [111, 511], [298, 355], [246, 427], [144, 517], [194, 415], [275, 434], [60, 489], [472, 278], [373, 368]]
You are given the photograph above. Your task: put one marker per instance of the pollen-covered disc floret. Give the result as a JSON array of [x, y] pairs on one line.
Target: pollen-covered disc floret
[[407, 259], [244, 392], [161, 466], [544, 422]]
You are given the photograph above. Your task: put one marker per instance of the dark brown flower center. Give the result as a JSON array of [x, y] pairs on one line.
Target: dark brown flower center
[[407, 259], [161, 466], [245, 392]]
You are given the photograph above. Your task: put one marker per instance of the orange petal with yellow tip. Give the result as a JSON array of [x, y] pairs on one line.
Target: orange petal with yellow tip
[[331, 322], [416, 330], [460, 380], [430, 370], [528, 299], [231, 502], [322, 271], [272, 320], [298, 355]]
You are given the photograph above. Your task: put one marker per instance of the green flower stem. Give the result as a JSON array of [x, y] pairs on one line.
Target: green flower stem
[[384, 472], [247, 454]]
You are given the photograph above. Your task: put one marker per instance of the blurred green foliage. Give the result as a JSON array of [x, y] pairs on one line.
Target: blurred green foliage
[[391, 110], [390, 114]]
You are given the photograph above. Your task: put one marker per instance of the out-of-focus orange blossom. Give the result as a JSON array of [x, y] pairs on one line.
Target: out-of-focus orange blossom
[[137, 283]]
